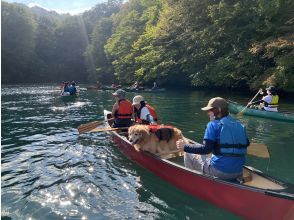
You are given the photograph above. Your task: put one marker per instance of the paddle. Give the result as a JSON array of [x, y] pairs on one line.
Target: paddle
[[258, 150], [241, 112], [108, 129], [91, 125]]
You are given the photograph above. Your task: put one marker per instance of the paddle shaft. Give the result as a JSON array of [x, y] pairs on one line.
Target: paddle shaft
[[108, 129], [249, 103], [91, 125]]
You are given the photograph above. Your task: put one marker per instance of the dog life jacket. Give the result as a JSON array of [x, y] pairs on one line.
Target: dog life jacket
[[125, 109], [152, 112], [233, 140], [274, 103], [163, 132]]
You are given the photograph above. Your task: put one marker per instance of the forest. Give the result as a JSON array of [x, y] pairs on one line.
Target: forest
[[233, 44]]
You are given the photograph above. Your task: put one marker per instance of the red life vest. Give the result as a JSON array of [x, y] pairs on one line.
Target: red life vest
[[151, 110], [163, 132], [125, 109]]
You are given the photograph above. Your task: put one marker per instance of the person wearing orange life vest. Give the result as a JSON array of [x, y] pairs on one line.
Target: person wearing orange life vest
[[144, 113], [122, 110]]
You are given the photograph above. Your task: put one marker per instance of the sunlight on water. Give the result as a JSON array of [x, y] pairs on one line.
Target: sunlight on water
[[49, 171]]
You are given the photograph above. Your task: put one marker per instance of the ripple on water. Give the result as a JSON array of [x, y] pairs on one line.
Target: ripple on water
[[49, 171]]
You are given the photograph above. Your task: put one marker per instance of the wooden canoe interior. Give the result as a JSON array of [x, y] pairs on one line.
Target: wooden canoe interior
[[260, 182], [249, 177]]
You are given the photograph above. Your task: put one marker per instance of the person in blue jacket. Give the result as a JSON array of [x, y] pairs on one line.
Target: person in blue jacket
[[72, 89], [225, 138]]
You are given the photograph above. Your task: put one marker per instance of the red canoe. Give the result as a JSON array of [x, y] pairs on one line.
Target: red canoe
[[263, 197]]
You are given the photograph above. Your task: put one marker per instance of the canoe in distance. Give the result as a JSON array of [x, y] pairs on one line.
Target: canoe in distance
[[236, 108]]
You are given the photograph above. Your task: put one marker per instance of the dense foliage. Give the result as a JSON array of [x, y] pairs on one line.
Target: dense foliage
[[200, 43]]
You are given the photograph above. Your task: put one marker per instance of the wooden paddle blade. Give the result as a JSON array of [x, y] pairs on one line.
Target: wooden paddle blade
[[108, 129], [89, 126], [258, 150]]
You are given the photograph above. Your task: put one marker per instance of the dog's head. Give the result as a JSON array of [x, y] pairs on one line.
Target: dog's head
[[138, 133]]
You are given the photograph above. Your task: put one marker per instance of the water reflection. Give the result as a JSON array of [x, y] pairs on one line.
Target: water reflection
[[51, 172]]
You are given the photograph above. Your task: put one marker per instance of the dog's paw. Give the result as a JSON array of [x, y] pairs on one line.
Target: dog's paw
[[136, 147]]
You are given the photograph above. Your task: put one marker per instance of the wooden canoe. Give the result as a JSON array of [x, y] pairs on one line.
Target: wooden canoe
[[236, 108], [261, 197]]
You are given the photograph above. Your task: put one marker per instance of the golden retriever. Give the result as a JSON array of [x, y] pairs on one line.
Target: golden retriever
[[143, 139]]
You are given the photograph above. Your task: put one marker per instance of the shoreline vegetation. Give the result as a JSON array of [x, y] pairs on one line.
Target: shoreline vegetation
[[192, 44], [243, 92]]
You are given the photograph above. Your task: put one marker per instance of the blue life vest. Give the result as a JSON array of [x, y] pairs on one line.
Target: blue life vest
[[72, 90], [66, 89], [233, 139]]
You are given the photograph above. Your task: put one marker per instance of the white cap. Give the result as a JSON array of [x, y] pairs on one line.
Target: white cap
[[137, 99]]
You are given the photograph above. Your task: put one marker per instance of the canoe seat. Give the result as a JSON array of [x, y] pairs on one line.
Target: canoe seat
[[251, 179], [171, 154], [247, 177]]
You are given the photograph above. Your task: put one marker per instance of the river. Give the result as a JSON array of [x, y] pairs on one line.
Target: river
[[49, 171]]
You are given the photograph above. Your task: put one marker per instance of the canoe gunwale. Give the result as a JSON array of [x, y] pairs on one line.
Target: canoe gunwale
[[286, 193]]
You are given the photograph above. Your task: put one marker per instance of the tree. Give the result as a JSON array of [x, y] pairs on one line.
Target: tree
[[18, 30]]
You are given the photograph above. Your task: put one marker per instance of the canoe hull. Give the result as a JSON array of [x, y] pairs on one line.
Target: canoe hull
[[236, 108], [248, 202]]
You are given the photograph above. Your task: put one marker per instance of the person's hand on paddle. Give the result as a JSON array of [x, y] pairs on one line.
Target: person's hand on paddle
[[251, 102], [180, 144]]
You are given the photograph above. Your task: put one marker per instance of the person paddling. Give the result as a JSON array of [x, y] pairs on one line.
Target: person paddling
[[122, 110], [225, 138], [72, 88], [270, 102]]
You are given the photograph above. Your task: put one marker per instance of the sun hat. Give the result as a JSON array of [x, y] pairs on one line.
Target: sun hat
[[120, 93], [137, 99], [216, 102]]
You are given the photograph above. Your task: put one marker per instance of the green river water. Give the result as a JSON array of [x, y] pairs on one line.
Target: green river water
[[49, 171]]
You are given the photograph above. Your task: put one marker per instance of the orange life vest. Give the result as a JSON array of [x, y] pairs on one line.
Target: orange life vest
[[125, 109], [151, 110]]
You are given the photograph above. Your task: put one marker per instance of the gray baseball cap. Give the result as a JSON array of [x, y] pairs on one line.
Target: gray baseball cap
[[120, 93]]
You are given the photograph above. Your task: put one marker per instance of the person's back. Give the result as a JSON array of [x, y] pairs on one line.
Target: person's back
[[228, 133], [66, 87], [122, 110], [72, 90]]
